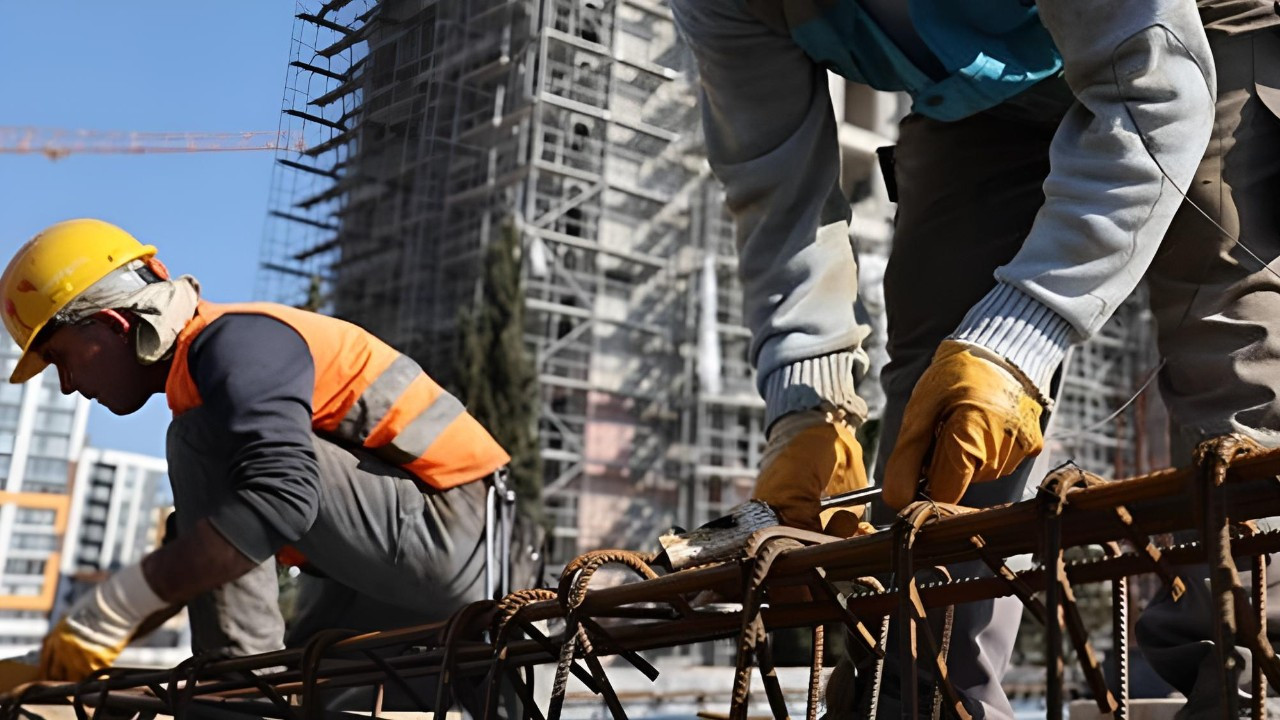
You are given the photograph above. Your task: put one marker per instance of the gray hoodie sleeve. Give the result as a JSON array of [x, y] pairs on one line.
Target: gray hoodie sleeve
[[256, 376], [772, 140], [1144, 80]]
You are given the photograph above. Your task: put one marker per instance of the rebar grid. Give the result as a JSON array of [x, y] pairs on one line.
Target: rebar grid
[[783, 580]]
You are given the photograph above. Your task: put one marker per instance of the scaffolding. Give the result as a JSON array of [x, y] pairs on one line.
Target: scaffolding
[[430, 126], [1109, 418]]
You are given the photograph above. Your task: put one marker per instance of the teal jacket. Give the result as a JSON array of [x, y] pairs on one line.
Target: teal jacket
[[991, 50]]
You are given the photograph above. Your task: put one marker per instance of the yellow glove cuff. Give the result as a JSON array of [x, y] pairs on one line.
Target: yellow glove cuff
[[67, 655]]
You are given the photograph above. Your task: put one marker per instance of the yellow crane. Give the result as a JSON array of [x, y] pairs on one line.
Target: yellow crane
[[56, 143]]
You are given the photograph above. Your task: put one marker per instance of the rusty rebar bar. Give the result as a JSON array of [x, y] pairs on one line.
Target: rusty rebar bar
[[1232, 484]]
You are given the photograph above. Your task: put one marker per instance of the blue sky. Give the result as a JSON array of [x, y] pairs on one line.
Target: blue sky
[[153, 65]]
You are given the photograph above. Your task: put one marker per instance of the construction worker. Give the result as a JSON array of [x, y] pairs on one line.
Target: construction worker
[[291, 431], [1039, 169]]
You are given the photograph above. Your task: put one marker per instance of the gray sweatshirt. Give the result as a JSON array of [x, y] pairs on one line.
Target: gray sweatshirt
[[1119, 165], [1144, 81]]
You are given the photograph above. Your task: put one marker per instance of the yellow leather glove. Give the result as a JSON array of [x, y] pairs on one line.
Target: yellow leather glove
[[14, 673], [973, 417], [98, 626], [810, 454], [68, 655]]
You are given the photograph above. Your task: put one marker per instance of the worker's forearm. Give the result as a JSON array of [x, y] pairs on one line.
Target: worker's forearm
[[155, 620], [197, 562], [771, 139]]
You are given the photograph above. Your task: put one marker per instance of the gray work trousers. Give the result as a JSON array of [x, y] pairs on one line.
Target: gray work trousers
[[968, 192], [393, 551], [1219, 315]]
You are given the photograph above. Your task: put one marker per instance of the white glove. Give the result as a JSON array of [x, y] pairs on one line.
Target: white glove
[[99, 625]]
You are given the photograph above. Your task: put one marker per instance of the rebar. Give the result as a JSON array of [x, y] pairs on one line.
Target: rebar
[[487, 642]]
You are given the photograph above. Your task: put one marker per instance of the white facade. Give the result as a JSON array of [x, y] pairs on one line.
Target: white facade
[[41, 432], [119, 505], [115, 506]]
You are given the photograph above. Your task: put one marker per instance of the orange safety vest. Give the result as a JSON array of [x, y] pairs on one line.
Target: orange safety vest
[[366, 394]]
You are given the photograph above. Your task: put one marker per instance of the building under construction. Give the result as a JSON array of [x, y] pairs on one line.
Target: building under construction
[[431, 127]]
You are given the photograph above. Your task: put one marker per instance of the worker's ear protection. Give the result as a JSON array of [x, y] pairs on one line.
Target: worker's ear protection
[[114, 320], [152, 271]]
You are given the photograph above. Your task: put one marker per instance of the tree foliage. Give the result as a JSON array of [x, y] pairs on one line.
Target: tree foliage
[[496, 375]]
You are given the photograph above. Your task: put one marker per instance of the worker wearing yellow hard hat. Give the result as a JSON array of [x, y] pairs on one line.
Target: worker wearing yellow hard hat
[[56, 267], [293, 434]]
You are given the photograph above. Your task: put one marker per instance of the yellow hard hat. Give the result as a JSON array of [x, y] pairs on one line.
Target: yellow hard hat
[[52, 269]]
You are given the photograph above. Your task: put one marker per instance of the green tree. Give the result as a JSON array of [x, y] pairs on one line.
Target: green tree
[[316, 296], [496, 375]]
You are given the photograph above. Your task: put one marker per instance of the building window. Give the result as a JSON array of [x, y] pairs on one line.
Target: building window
[[49, 446], [56, 421], [11, 394], [47, 470], [33, 541], [24, 615], [51, 395], [35, 516], [19, 640], [9, 416], [24, 566], [48, 488]]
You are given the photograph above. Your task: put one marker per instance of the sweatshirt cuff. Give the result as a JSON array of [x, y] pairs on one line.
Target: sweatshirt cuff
[[1020, 329], [816, 382]]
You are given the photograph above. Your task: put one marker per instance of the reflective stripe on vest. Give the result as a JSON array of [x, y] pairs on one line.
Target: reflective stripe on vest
[[413, 440], [366, 393], [377, 400]]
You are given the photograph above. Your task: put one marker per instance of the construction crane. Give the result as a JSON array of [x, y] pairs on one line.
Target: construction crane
[[56, 143]]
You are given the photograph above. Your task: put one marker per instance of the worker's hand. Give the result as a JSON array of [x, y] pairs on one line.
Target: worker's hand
[[98, 626], [16, 672], [810, 454], [69, 654], [972, 417]]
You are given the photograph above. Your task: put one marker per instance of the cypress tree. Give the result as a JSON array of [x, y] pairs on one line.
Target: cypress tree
[[316, 296], [496, 375]]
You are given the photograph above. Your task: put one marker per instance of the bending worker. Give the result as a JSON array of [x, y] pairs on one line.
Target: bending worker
[[290, 429], [1042, 163]]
